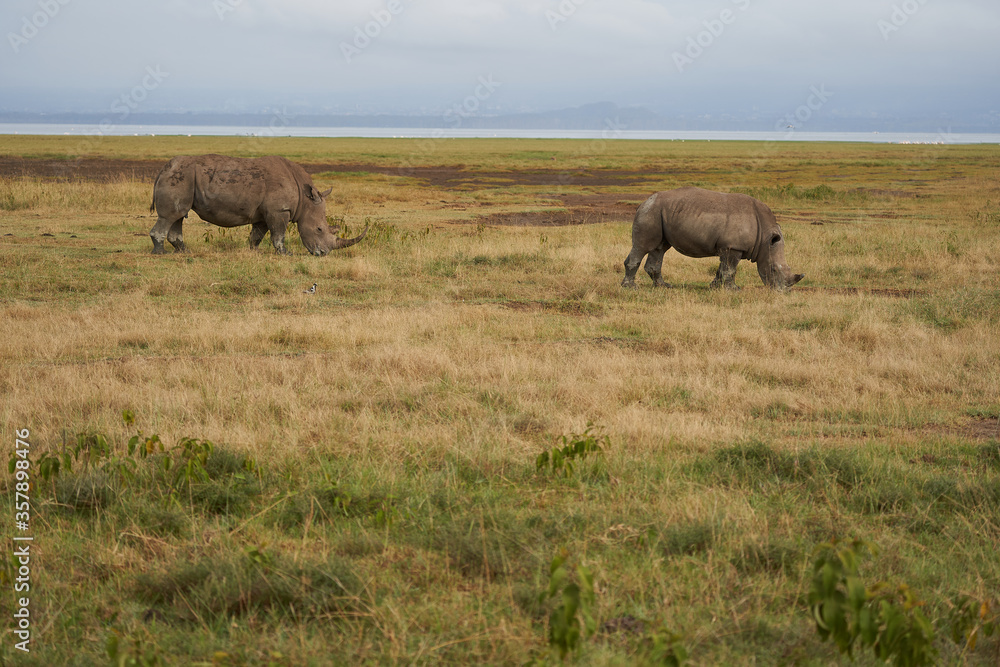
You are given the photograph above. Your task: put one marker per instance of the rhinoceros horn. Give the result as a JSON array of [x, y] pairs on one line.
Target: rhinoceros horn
[[346, 243]]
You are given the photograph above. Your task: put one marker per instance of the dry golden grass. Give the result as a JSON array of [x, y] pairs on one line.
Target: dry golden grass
[[282, 369], [53, 197], [439, 352]]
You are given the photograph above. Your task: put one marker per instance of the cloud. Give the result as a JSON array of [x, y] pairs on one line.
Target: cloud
[[548, 53]]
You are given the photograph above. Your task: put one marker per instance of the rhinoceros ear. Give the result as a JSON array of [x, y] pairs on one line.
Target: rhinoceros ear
[[315, 195]]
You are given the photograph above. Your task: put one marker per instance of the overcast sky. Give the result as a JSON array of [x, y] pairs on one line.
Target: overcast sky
[[722, 56]]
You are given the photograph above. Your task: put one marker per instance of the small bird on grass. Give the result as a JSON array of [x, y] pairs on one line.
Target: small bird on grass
[[311, 290]]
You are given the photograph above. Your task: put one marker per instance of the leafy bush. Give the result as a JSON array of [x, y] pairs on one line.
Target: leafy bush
[[93, 472], [572, 620], [847, 611], [562, 460]]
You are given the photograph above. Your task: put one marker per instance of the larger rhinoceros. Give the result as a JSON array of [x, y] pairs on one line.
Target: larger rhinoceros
[[266, 192], [702, 223]]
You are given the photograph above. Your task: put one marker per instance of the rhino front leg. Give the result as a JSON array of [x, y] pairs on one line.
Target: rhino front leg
[[257, 233], [176, 236], [726, 275], [277, 223]]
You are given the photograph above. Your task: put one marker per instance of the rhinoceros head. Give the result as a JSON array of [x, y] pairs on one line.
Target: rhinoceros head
[[771, 264], [316, 235]]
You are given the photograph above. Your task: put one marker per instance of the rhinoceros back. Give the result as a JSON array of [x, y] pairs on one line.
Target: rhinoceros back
[[223, 190], [701, 223]]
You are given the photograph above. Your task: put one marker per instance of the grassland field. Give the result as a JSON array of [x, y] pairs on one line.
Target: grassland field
[[371, 494]]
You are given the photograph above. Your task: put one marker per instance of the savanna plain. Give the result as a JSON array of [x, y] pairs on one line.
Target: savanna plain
[[471, 445]]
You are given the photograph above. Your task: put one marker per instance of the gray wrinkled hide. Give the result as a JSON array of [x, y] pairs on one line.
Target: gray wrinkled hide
[[702, 223], [266, 192]]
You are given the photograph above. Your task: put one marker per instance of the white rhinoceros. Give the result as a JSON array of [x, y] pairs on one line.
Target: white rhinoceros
[[265, 192], [702, 223]]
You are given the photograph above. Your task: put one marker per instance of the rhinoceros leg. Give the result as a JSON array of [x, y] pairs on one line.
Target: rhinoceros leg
[[176, 235], [654, 263], [632, 263], [277, 223], [160, 231], [257, 233], [726, 275]]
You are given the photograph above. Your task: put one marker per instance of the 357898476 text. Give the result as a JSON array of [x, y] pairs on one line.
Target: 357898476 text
[[19, 467]]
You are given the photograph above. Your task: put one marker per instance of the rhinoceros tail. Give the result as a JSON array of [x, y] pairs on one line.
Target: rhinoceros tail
[[346, 243], [152, 205]]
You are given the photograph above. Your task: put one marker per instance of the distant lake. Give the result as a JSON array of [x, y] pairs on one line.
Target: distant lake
[[432, 133]]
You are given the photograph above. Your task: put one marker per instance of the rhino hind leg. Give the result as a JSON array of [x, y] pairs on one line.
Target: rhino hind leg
[[160, 232], [632, 263], [726, 275], [257, 233], [176, 236], [654, 264]]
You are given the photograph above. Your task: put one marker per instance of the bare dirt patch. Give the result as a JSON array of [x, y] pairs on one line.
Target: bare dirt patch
[[460, 177], [574, 209], [447, 177], [553, 218], [82, 169]]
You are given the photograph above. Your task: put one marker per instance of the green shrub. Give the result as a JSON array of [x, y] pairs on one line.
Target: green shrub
[[571, 621], [845, 610], [562, 460]]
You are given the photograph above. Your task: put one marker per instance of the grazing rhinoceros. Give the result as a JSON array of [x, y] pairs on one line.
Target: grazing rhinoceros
[[702, 223], [266, 192]]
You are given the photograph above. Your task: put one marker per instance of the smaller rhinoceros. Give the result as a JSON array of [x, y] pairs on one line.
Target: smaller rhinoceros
[[702, 223]]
